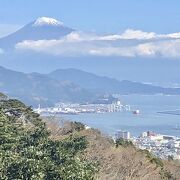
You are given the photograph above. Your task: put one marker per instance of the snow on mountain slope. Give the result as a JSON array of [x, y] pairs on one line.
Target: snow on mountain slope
[[47, 21]]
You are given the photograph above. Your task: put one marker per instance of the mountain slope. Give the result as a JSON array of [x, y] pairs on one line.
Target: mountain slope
[[42, 28], [101, 84], [36, 88], [68, 85]]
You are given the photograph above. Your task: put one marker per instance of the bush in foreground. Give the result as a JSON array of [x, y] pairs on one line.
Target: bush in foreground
[[27, 152], [123, 143]]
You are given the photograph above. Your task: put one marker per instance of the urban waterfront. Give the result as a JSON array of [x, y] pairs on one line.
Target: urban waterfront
[[165, 139], [147, 120], [163, 130]]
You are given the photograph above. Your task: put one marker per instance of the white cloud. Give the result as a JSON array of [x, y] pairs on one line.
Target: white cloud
[[113, 51], [1, 51], [131, 34], [137, 34], [169, 48], [131, 43], [171, 36], [58, 47]]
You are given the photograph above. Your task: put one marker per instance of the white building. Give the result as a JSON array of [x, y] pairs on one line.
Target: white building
[[144, 134], [157, 137], [123, 134]]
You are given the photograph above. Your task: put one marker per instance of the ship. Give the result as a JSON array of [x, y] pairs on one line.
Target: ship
[[136, 111]]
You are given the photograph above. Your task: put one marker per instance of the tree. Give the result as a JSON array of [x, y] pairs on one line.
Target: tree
[[123, 142], [27, 152]]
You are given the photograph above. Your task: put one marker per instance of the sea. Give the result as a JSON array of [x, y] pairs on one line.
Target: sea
[[148, 120]]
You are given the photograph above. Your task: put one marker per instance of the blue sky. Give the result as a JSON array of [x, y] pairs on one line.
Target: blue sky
[[160, 16]]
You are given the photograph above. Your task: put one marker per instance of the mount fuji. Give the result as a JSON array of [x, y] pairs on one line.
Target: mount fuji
[[42, 28]]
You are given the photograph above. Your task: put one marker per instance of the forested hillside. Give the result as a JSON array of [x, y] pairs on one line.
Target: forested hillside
[[28, 152], [36, 148]]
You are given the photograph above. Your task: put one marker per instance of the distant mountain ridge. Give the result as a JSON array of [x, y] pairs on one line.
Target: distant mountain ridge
[[69, 85], [35, 88], [104, 84]]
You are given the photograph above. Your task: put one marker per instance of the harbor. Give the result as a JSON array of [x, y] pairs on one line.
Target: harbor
[[75, 109]]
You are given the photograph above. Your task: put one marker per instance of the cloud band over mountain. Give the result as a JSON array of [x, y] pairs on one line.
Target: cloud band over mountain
[[131, 43]]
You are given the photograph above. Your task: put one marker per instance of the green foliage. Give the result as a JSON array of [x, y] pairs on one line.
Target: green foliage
[[157, 161], [153, 159], [167, 175], [27, 152], [124, 143], [77, 126]]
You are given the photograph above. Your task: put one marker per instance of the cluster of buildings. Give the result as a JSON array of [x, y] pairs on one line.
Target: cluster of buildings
[[69, 108], [162, 146]]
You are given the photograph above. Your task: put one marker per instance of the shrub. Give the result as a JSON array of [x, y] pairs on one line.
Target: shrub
[[124, 143], [27, 152]]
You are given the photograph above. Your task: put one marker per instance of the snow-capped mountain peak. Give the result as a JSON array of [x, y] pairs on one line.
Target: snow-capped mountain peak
[[39, 29], [41, 21]]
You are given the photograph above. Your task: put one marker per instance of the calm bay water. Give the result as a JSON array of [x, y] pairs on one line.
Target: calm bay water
[[148, 119]]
